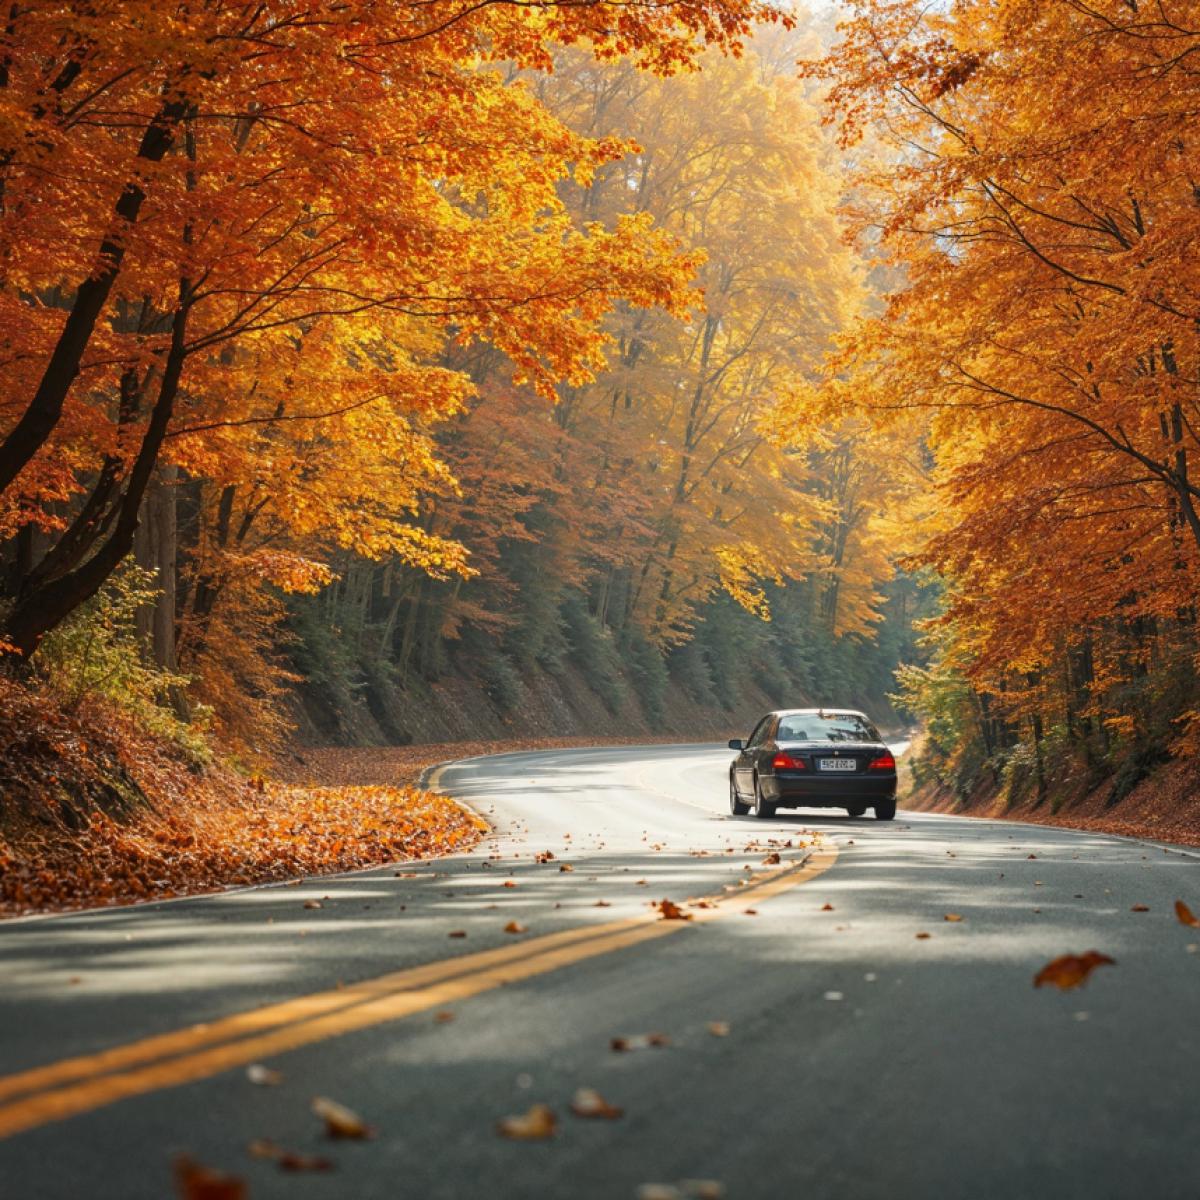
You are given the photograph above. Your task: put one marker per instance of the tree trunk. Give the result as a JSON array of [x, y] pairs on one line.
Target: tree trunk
[[45, 607], [39, 420]]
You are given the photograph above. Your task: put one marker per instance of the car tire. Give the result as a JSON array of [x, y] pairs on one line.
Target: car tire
[[737, 806], [856, 810], [764, 810], [885, 811]]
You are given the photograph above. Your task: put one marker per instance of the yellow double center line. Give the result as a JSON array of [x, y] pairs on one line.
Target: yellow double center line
[[76, 1085]]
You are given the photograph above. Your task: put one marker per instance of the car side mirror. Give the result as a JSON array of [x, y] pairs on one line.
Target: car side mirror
[[736, 744]]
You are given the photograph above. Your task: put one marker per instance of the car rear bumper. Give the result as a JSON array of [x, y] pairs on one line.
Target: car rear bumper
[[827, 791]]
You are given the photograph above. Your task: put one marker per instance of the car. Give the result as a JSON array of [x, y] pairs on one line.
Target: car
[[813, 758]]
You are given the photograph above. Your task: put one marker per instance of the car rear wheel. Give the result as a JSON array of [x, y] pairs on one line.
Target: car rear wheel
[[764, 810], [885, 810], [856, 810], [736, 805]]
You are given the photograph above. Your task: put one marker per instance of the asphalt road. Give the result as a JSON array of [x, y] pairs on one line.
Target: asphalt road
[[860, 1060]]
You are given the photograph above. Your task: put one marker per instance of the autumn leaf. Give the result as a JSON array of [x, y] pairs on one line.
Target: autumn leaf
[[1139, 908], [772, 859], [515, 927], [952, 917], [288, 1160], [685, 1189], [827, 908], [672, 912], [922, 935], [536, 1124], [565, 867], [340, 1121], [196, 1182], [1071, 970], [588, 1102], [639, 1041], [718, 1028], [1185, 915]]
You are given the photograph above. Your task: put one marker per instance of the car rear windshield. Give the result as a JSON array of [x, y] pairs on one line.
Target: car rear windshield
[[826, 727]]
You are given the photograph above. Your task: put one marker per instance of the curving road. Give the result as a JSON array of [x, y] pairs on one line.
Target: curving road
[[860, 1060]]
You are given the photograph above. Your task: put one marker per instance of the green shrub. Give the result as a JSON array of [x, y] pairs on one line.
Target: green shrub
[[594, 652], [650, 676], [689, 667], [96, 652]]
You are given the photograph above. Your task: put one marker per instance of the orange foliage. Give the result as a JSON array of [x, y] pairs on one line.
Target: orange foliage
[[1028, 172]]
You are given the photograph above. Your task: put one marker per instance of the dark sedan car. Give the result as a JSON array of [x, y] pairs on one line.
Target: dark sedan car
[[813, 758]]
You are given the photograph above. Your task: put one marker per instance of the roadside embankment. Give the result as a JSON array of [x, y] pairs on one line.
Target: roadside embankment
[[1163, 807], [96, 811]]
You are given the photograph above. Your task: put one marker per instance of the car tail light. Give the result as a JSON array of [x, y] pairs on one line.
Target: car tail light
[[885, 762], [785, 762]]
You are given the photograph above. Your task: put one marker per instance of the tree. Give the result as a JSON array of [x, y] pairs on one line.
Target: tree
[[191, 199], [1038, 199]]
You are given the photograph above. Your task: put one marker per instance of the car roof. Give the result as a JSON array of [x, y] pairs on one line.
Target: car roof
[[814, 712]]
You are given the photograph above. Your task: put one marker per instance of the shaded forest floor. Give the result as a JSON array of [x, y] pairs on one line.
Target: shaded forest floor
[[1164, 807]]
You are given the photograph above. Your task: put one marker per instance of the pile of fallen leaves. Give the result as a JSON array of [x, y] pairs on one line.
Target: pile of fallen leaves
[[97, 811]]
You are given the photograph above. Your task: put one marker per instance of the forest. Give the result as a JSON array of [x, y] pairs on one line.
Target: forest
[[379, 373]]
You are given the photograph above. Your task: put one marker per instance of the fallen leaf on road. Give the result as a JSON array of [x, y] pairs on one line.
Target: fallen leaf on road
[[443, 1018], [194, 1181], [1031, 856], [1185, 915], [771, 859], [515, 927], [539, 1122], [952, 917], [750, 912], [718, 1028], [457, 933], [827, 908], [602, 904], [263, 1076], [289, 1160], [924, 935], [671, 911], [510, 883], [544, 857], [639, 1041], [687, 1189], [589, 1103], [1071, 970], [564, 867], [1139, 908], [312, 904], [340, 1121]]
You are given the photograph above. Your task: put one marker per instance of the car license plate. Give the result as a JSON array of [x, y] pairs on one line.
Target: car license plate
[[837, 764]]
